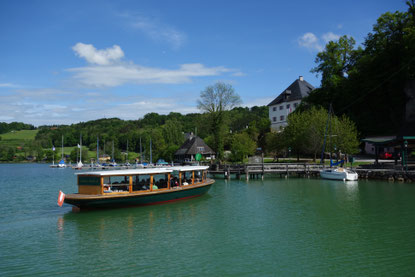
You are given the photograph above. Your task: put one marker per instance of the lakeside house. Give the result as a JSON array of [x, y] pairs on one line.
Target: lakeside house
[[192, 146], [287, 102]]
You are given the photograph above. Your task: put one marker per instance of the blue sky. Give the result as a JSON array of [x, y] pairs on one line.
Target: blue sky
[[63, 62]]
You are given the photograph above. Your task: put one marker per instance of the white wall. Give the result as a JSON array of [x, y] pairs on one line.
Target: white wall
[[281, 110]]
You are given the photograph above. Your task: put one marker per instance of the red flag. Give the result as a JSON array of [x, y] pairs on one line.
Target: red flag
[[61, 197]]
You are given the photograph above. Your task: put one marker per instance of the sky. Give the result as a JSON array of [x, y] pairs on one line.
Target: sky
[[64, 62]]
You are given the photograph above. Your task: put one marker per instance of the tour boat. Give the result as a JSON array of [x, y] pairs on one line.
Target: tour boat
[[135, 187], [339, 174]]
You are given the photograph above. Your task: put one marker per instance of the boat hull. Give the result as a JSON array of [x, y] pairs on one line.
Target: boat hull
[[137, 199], [338, 175]]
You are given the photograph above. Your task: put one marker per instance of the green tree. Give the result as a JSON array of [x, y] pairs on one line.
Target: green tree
[[295, 133], [306, 130], [241, 147], [275, 144], [215, 100]]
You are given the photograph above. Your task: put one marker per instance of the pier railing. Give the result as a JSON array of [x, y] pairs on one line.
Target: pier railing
[[254, 170]]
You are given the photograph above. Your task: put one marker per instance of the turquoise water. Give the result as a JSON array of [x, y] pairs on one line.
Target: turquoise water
[[289, 227]]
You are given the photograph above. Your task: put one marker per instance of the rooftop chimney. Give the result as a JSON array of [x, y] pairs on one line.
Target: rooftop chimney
[[301, 78]]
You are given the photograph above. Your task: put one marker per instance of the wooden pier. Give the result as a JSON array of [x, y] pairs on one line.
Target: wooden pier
[[258, 171]]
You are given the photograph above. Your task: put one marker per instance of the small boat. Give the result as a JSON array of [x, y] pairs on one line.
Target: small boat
[[62, 164], [137, 187], [339, 174]]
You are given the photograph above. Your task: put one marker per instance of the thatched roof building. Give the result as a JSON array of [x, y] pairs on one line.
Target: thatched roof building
[[192, 146]]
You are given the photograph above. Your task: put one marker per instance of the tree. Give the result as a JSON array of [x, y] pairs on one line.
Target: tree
[[368, 84], [215, 100], [316, 128], [306, 130], [295, 132], [241, 147], [337, 59], [274, 143]]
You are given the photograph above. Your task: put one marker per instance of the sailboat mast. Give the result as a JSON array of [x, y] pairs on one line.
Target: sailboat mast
[[80, 150], [151, 154], [113, 160], [141, 152], [325, 135], [62, 147], [97, 150]]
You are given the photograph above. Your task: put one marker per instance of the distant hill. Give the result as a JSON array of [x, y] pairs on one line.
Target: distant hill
[[14, 126], [17, 138]]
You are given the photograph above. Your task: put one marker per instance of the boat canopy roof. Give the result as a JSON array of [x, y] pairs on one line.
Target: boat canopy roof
[[188, 168], [127, 172], [142, 171]]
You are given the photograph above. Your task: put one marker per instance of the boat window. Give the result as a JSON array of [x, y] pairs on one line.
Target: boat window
[[116, 184], [198, 177], [174, 180], [186, 178], [160, 180], [141, 182]]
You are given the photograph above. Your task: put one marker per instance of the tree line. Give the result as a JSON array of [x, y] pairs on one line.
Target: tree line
[[371, 83], [14, 126]]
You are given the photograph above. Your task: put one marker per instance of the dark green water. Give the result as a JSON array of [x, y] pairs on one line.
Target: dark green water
[[291, 227]]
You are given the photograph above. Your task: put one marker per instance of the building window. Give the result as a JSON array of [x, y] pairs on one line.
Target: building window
[[281, 107], [295, 105], [201, 149], [274, 119], [282, 118], [274, 109], [288, 106]]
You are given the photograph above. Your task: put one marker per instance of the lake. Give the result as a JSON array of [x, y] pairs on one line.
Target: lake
[[290, 227]]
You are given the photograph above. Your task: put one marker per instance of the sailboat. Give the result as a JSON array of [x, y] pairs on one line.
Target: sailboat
[[338, 173], [113, 163], [127, 163], [62, 163], [80, 164]]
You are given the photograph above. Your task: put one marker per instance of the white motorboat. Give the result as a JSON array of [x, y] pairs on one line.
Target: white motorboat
[[339, 174]]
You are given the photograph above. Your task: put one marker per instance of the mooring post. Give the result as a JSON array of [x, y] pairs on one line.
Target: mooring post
[[247, 173], [286, 171]]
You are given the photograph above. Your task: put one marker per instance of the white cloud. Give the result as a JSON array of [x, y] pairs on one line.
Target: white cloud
[[116, 75], [27, 107], [330, 37], [310, 41], [100, 57], [107, 72]]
